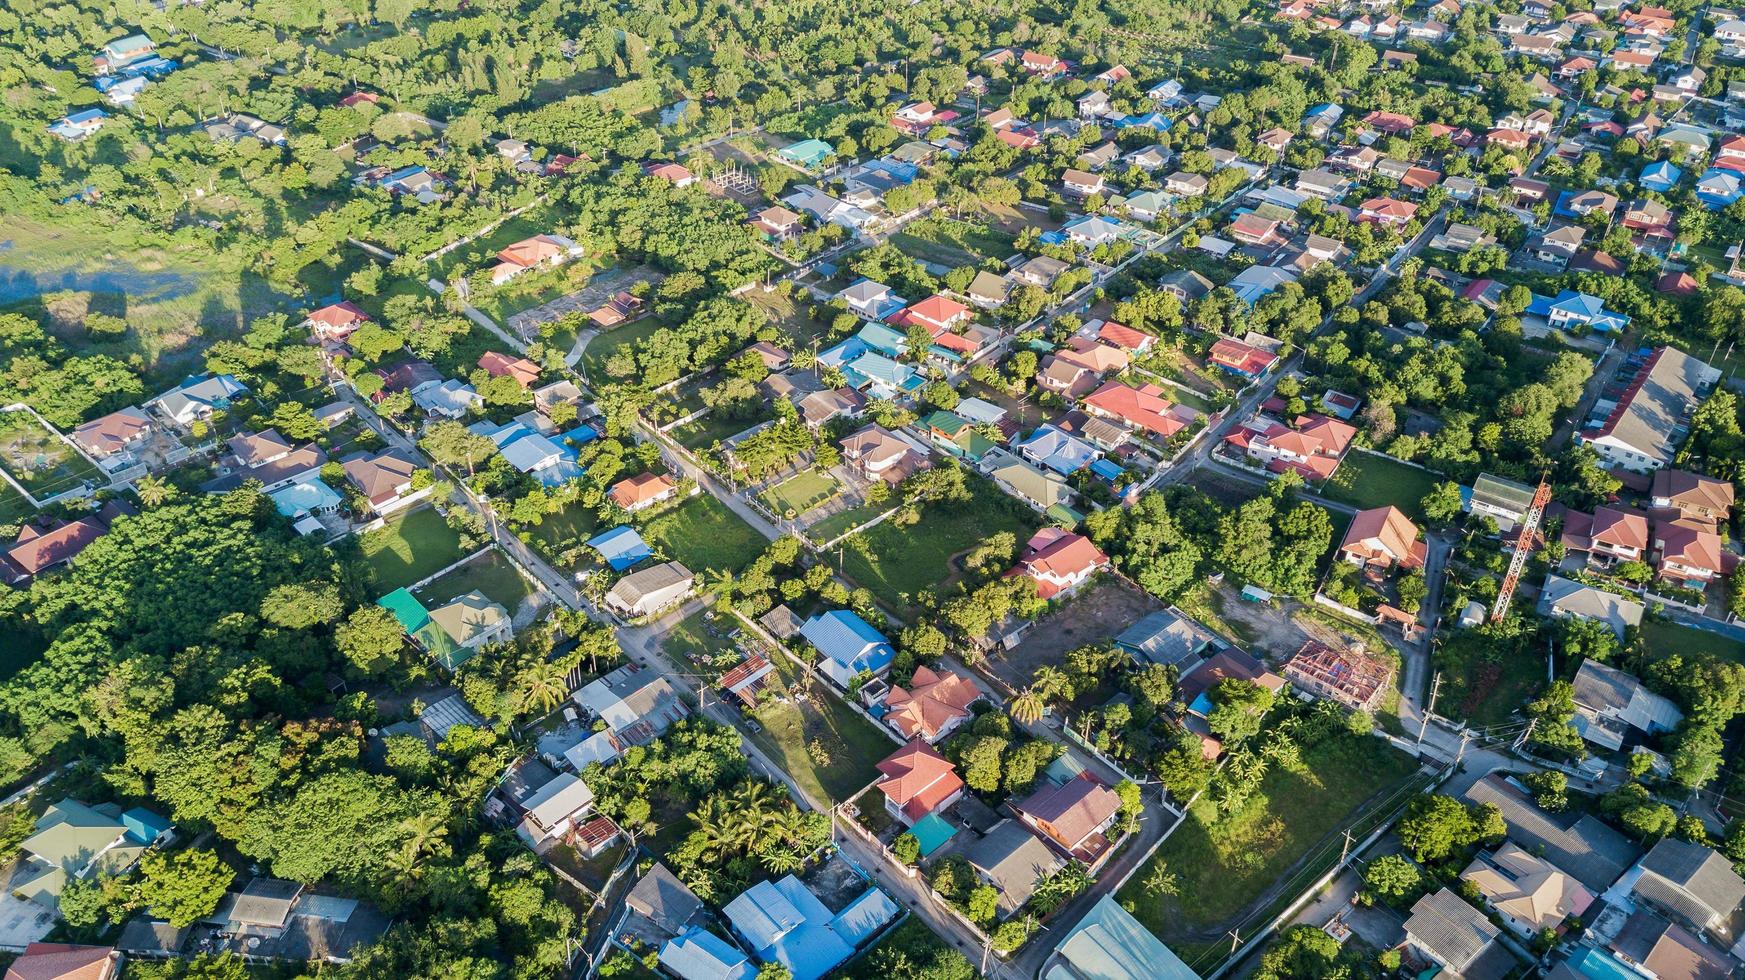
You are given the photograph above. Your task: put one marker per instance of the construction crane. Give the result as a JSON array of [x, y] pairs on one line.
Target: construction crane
[[1523, 550]]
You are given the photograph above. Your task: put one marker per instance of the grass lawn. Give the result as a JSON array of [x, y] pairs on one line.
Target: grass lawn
[[1481, 685], [921, 945], [493, 574], [953, 243], [704, 535], [602, 347], [1365, 480], [702, 434], [698, 640], [789, 314], [410, 549], [40, 461], [897, 562], [13, 507], [531, 289], [1662, 636], [850, 745], [566, 529], [1224, 863], [839, 523], [801, 493]]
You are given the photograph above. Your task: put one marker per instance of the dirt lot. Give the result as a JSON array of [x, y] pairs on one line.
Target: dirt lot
[[1278, 629], [1095, 616]]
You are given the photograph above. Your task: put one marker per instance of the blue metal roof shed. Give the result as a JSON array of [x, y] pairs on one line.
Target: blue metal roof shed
[[621, 547]]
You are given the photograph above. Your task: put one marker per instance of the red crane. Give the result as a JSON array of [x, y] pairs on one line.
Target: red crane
[[1523, 550]]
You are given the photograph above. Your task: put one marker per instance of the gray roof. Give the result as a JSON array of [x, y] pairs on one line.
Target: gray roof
[[663, 899], [1650, 420], [1188, 282], [1164, 637], [637, 586], [1456, 932], [1013, 859], [1610, 691], [1501, 494], [1667, 950], [1562, 596], [1587, 850], [1691, 880], [447, 713]]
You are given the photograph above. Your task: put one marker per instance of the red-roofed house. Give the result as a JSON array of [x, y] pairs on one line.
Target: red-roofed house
[[1074, 817], [916, 781], [1691, 556], [46, 545], [1043, 65], [336, 322], [675, 174], [498, 365], [1125, 337], [1731, 154], [1575, 67], [1022, 138], [1613, 533], [1508, 139], [640, 491], [1060, 561], [62, 961], [936, 313], [530, 253], [1382, 537], [1314, 448], [935, 704], [1144, 408], [1387, 211], [356, 98], [1391, 123], [1255, 230], [1239, 358]]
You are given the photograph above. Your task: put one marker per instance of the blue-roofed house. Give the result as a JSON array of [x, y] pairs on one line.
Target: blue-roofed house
[[144, 826], [1109, 944], [78, 125], [197, 397], [843, 352], [1057, 450], [932, 831], [783, 922], [883, 339], [306, 498], [807, 154], [1320, 119], [698, 954], [621, 547], [880, 376], [847, 646], [1093, 231], [865, 916], [1717, 188], [1661, 176], [1571, 309], [1155, 120], [407, 609]]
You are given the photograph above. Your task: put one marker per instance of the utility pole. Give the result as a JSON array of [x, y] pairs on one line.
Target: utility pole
[[1525, 735], [1464, 736], [1345, 851], [1235, 941], [1424, 723]]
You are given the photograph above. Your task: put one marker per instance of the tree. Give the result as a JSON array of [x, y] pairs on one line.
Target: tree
[[984, 905], [1026, 707], [1239, 707], [302, 605], [1442, 504], [981, 762], [1302, 953], [182, 887], [1550, 790], [450, 444], [1436, 826], [1394, 878], [371, 638], [906, 848]]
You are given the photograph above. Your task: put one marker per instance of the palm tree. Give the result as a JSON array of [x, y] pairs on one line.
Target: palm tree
[[426, 833], [545, 686], [1050, 682], [1162, 882], [1027, 707], [153, 490]]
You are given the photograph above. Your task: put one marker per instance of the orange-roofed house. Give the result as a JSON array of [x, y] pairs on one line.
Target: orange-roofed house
[[1387, 211], [1382, 538], [62, 961], [1074, 818], [1094, 355], [1125, 337], [1508, 139], [499, 365], [1239, 358], [1690, 556], [531, 253], [937, 313], [640, 491], [1143, 408], [1019, 139], [916, 781], [1313, 448], [675, 174], [1060, 561], [1392, 123], [935, 704], [336, 322]]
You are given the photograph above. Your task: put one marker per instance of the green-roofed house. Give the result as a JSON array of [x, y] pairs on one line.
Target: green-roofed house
[[1039, 488], [1109, 944], [123, 51], [956, 435], [807, 154], [932, 831], [407, 609]]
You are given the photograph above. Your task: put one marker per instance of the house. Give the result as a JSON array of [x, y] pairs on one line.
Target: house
[[637, 704], [1658, 948], [916, 780], [1382, 538], [1055, 449], [1527, 892], [1731, 34], [1691, 884], [989, 290], [1562, 597], [258, 448], [1313, 448], [383, 479], [1090, 231], [847, 646], [1186, 285], [620, 547], [449, 399], [231, 128], [1461, 238], [642, 491], [1717, 188], [1143, 408], [1683, 141], [1012, 860], [76, 126], [1586, 849], [1060, 561], [113, 439], [1073, 817], [1350, 677], [1503, 501], [1240, 359], [197, 398], [531, 253], [1661, 176], [673, 173], [1165, 637], [783, 922], [1108, 943], [1324, 184], [878, 454], [935, 704], [1124, 337], [650, 590], [1691, 557], [1256, 282], [1040, 271], [121, 52], [1609, 535], [1183, 184], [547, 806], [1454, 935], [76, 841], [63, 961], [1644, 429], [1018, 477], [661, 899], [282, 469], [498, 365], [336, 322], [873, 300], [937, 313], [470, 622], [1557, 247], [1149, 159], [698, 954], [1387, 212], [1042, 65], [1275, 139], [1082, 184], [807, 154], [1609, 703], [1695, 497]]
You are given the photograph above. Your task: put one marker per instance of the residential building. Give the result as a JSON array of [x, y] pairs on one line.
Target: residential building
[[1610, 703], [546, 807], [1012, 860], [1183, 184], [777, 224], [1692, 884], [1658, 948], [932, 706], [1387, 211], [384, 480], [916, 780], [1060, 561], [1608, 536], [1186, 286], [1350, 677], [1082, 184], [1527, 892], [293, 466], [113, 439], [531, 253], [1578, 843], [698, 954], [1563, 597], [641, 491], [76, 841], [1693, 496], [470, 622], [1503, 501], [1073, 817], [336, 322], [1108, 943], [197, 398], [1691, 557], [1256, 282], [847, 646], [661, 899], [63, 961], [650, 590], [1558, 246], [989, 290], [499, 365], [46, 543], [877, 454], [637, 704], [1650, 420], [1055, 449], [1313, 448], [449, 399], [1142, 408], [1453, 935], [783, 922], [1167, 636], [1382, 538]]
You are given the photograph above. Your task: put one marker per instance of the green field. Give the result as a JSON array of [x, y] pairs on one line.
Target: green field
[[843, 521], [704, 535], [1225, 863], [1663, 636], [699, 640], [850, 745], [950, 242], [40, 461], [789, 315], [1365, 480], [13, 506], [603, 346], [567, 529], [801, 493], [702, 435], [410, 549], [492, 574], [1480, 685], [896, 562]]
